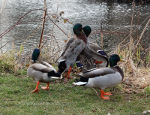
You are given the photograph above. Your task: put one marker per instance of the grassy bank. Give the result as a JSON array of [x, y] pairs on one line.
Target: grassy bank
[[16, 98], [65, 99]]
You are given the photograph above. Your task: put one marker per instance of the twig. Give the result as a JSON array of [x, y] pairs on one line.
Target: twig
[[44, 16], [131, 29], [102, 35], [143, 32], [5, 44], [57, 25], [18, 22], [96, 92], [134, 30], [108, 32]]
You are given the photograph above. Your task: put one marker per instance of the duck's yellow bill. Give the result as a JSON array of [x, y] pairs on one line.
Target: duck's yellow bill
[[122, 60]]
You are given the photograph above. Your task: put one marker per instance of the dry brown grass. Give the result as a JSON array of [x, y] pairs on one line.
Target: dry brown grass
[[137, 76], [137, 59]]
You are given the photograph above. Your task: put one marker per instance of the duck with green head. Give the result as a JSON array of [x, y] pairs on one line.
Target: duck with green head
[[92, 55], [103, 77], [72, 49], [41, 72]]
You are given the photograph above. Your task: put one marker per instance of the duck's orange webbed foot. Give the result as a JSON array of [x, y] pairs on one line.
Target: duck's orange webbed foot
[[68, 74], [105, 98], [107, 93], [36, 90], [103, 93], [46, 87]]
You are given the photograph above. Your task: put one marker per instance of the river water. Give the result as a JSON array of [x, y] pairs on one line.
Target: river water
[[113, 18]]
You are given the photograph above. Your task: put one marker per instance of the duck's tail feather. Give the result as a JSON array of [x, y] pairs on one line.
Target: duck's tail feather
[[79, 83], [57, 77]]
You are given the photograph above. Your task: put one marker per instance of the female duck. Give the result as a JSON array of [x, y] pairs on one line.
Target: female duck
[[103, 77]]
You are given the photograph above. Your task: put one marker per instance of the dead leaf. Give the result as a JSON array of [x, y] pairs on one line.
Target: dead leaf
[[65, 20], [54, 16], [62, 12], [65, 41]]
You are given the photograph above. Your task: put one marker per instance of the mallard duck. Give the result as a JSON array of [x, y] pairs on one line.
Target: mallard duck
[[103, 77], [41, 72], [92, 54], [72, 49]]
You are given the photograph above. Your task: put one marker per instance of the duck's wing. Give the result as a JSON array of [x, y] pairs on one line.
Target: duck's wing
[[41, 68], [94, 54], [93, 46], [87, 61], [48, 65], [97, 72], [96, 48], [71, 40], [89, 55], [72, 51]]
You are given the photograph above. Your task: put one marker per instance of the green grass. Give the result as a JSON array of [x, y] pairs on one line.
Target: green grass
[[64, 99]]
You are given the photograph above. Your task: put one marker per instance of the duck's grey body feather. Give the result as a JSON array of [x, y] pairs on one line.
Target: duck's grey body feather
[[67, 45], [97, 72], [73, 48], [48, 65], [105, 81], [101, 78], [94, 46], [42, 67], [93, 53], [39, 72]]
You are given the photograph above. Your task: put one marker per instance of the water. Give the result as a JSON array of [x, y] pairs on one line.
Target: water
[[114, 18]]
